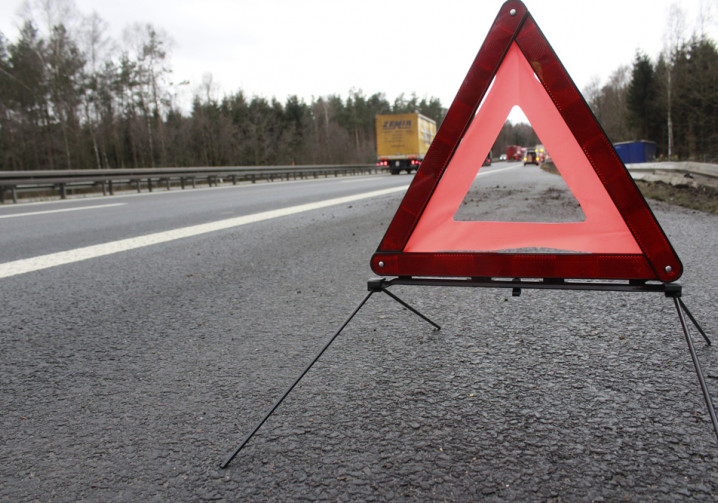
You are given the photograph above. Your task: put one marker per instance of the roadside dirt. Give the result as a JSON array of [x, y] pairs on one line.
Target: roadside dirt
[[697, 198], [700, 198]]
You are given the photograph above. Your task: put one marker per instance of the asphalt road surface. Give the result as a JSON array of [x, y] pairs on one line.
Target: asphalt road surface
[[144, 336]]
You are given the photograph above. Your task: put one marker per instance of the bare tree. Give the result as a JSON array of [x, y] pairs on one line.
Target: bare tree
[[673, 37], [97, 48], [148, 47], [608, 103], [705, 16], [47, 14]]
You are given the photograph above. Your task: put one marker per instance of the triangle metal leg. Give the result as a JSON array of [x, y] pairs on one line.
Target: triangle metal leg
[[436, 327], [382, 285], [701, 377], [695, 323], [296, 381]]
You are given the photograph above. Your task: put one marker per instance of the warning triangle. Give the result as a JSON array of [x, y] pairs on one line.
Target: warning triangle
[[619, 238]]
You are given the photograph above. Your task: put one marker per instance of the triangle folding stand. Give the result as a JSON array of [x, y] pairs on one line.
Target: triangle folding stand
[[618, 247]]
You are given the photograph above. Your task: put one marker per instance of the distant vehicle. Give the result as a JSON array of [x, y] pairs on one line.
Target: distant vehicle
[[541, 153], [531, 157], [487, 162], [402, 141], [502, 157], [515, 152]]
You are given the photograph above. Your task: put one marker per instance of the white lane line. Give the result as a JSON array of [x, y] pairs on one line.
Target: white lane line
[[363, 179], [88, 252], [499, 170], [33, 213]]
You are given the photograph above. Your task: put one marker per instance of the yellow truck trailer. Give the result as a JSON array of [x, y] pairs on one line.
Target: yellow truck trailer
[[402, 140]]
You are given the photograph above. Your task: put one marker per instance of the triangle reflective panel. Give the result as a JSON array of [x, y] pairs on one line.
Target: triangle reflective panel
[[619, 238]]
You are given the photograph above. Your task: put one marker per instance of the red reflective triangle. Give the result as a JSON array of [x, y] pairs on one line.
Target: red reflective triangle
[[620, 238]]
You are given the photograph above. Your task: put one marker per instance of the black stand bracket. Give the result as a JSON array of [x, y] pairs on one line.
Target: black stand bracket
[[377, 285]]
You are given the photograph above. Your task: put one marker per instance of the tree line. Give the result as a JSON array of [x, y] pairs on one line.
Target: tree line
[[66, 103], [672, 101], [72, 98]]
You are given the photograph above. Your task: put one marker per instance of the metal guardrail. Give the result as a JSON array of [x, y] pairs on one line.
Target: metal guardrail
[[109, 180], [683, 173], [676, 173]]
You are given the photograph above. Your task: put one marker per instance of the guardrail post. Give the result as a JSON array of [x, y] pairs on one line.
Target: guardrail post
[[168, 183], [234, 179], [63, 191], [149, 184], [111, 187], [138, 185]]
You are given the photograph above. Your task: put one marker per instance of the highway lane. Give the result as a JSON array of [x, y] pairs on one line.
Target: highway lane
[[130, 377], [40, 229], [37, 229]]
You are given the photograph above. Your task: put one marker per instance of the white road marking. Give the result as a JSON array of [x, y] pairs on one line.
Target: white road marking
[[88, 252], [498, 170], [362, 179], [33, 213]]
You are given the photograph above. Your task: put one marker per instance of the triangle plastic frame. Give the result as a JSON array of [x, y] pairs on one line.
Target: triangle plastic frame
[[654, 259]]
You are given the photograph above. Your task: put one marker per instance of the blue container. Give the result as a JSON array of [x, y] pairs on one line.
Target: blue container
[[633, 152]]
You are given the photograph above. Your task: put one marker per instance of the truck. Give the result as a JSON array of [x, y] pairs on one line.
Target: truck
[[515, 152], [402, 140]]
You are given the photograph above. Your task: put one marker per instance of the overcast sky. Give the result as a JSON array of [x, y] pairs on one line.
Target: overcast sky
[[312, 48]]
